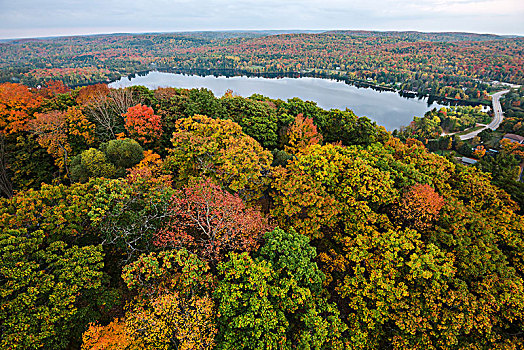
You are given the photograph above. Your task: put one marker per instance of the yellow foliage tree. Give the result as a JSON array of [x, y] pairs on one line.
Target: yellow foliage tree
[[168, 317], [218, 149]]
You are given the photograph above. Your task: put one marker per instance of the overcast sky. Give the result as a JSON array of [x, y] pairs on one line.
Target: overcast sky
[[36, 18]]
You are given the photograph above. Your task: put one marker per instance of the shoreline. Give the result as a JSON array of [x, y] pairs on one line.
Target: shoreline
[[275, 75]]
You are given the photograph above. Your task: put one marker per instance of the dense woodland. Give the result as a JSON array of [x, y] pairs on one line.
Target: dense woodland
[[173, 219], [455, 66]]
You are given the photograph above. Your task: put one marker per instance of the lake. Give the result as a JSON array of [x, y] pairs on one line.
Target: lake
[[387, 108]]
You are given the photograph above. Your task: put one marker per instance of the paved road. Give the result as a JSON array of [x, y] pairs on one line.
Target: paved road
[[498, 116]]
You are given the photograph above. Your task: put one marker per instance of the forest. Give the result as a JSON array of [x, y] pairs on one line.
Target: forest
[[174, 219], [453, 66]]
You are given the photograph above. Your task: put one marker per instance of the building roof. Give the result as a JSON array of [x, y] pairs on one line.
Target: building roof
[[515, 138], [469, 161]]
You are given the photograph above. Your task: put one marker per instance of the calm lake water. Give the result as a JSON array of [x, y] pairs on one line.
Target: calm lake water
[[387, 108]]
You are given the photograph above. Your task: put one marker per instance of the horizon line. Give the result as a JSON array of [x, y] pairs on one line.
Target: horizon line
[[279, 31]]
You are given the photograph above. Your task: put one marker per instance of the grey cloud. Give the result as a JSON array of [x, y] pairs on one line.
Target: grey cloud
[[60, 17]]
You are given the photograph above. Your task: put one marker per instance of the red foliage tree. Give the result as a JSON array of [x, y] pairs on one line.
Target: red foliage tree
[[142, 124], [211, 222], [53, 88]]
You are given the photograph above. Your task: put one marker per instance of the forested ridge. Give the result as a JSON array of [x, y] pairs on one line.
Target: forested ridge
[[457, 66], [174, 219]]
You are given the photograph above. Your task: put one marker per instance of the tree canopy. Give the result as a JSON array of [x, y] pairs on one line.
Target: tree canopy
[[266, 224]]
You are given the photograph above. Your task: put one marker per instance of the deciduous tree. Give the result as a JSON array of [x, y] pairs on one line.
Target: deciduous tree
[[114, 336], [42, 285], [123, 153], [91, 163], [393, 285], [142, 124], [171, 321], [106, 110], [275, 301], [128, 212], [173, 307], [219, 149], [419, 207], [92, 94], [479, 152], [301, 134], [514, 148], [17, 104], [257, 119], [211, 222], [62, 133]]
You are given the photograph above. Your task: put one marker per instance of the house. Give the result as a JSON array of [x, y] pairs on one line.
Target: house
[[468, 161], [514, 138]]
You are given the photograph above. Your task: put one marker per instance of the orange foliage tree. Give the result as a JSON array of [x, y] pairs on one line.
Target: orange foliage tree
[[92, 93], [142, 124], [301, 134], [16, 105], [114, 336], [419, 206], [479, 152], [53, 88], [509, 147], [59, 131]]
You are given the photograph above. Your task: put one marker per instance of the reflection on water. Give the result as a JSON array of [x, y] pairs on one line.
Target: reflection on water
[[387, 108]]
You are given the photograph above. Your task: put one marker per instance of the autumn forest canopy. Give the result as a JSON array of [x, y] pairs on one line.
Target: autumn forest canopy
[[176, 219], [451, 65], [173, 219]]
